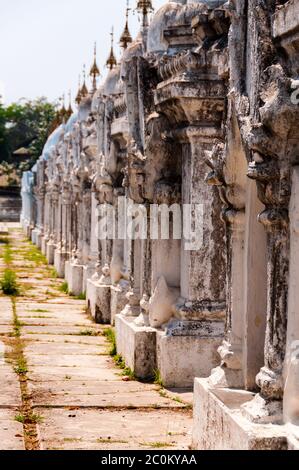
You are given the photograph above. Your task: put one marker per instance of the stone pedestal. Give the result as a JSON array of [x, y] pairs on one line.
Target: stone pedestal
[[99, 298], [118, 301], [50, 252], [74, 278], [174, 370], [88, 271], [60, 259], [219, 422], [44, 243], [137, 345]]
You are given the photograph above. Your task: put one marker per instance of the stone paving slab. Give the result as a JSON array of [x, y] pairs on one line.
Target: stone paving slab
[[58, 330], [55, 307], [74, 360], [10, 394], [94, 387], [65, 339], [125, 400], [11, 432], [39, 373], [29, 320], [6, 329], [52, 349], [134, 429], [91, 395]]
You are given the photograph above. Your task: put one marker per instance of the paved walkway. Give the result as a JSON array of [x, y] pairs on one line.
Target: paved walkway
[[59, 387]]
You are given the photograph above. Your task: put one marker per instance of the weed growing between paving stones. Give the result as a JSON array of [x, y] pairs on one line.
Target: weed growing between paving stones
[[34, 255], [89, 333], [9, 284], [7, 254], [109, 333], [157, 378], [126, 371], [53, 273], [80, 297], [31, 418], [109, 440], [156, 445], [64, 288]]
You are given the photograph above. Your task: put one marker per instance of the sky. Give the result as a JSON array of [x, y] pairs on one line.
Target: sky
[[44, 43]]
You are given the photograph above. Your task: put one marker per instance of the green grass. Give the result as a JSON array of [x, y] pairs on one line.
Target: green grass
[[31, 418], [64, 287], [9, 284], [53, 273], [157, 378], [110, 441], [109, 333], [126, 371], [156, 445], [21, 367], [39, 310], [34, 255], [80, 296], [7, 255], [89, 333]]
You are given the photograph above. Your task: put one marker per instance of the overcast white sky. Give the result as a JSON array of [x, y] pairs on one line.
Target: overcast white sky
[[44, 43]]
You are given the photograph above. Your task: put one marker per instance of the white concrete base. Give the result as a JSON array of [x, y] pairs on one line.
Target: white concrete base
[[219, 423], [44, 243], [98, 298], [39, 240], [59, 262], [182, 358], [88, 271], [118, 301], [36, 237], [74, 278], [50, 251], [137, 346]]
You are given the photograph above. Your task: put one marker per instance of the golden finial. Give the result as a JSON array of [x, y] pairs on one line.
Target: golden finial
[[70, 109], [79, 97], [111, 61], [145, 7], [126, 37], [63, 111], [84, 89], [94, 71]]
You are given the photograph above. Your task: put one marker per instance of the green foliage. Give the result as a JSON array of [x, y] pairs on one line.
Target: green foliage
[[8, 284], [24, 124], [29, 418], [21, 367], [110, 335], [157, 378], [64, 288], [81, 296], [89, 333]]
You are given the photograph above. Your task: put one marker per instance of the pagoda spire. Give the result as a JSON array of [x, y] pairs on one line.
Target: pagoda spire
[[94, 71], [84, 89], [63, 112], [70, 109], [111, 61], [145, 7], [78, 97], [126, 37]]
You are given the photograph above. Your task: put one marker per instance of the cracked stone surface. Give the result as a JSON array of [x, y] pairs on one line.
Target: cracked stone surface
[[73, 383]]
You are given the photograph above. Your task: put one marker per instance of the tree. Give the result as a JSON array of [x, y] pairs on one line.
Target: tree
[[25, 124], [4, 151]]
